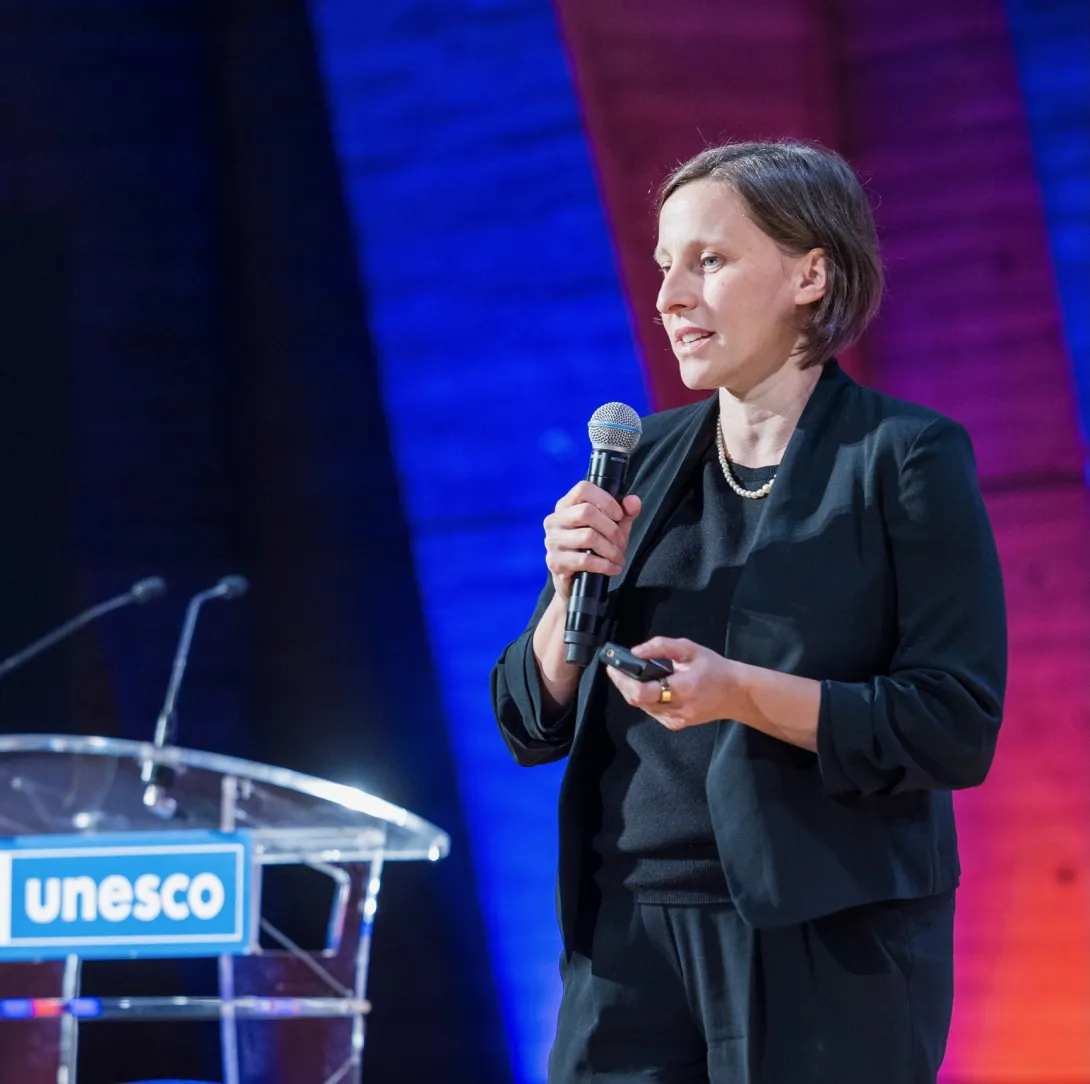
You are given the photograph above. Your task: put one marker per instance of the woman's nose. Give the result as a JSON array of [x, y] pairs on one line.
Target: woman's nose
[[675, 294]]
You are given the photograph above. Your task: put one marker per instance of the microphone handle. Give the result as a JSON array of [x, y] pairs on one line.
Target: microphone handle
[[587, 602], [13, 662]]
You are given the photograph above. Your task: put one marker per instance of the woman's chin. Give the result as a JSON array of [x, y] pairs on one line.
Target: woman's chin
[[698, 375]]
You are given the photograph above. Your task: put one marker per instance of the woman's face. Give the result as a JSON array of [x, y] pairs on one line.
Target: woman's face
[[730, 297]]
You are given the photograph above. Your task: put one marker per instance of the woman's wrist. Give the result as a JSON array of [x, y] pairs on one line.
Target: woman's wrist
[[728, 679], [784, 706], [559, 678]]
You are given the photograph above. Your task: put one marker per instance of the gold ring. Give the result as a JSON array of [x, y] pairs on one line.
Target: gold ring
[[665, 692]]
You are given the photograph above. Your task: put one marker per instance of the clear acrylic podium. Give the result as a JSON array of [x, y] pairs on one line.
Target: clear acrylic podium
[[59, 784]]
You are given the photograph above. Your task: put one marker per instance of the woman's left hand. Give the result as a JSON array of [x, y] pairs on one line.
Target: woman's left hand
[[701, 685]]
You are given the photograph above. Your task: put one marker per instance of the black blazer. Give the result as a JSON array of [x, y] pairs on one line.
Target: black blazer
[[874, 571]]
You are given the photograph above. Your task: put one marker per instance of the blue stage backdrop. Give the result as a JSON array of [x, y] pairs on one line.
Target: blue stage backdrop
[[1052, 49], [500, 326]]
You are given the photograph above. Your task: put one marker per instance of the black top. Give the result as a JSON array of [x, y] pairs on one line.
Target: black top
[[656, 839]]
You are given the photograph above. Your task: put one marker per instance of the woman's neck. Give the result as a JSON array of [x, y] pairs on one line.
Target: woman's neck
[[757, 426]]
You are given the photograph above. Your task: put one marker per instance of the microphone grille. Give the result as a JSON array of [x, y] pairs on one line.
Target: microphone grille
[[615, 427], [148, 589], [232, 586]]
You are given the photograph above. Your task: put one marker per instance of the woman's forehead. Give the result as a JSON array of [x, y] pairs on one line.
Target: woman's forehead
[[704, 210]]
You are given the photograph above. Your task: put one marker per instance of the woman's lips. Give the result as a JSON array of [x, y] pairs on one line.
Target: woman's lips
[[691, 341]]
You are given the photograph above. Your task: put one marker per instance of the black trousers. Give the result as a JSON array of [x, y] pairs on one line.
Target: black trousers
[[692, 995]]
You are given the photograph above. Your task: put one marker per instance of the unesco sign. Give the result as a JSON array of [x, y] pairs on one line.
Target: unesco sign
[[125, 895]]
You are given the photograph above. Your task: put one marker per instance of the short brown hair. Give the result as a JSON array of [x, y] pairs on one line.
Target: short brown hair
[[804, 197]]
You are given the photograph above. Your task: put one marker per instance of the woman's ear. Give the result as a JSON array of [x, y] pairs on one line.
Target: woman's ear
[[812, 277]]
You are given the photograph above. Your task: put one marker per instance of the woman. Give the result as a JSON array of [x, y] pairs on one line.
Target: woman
[[757, 855]]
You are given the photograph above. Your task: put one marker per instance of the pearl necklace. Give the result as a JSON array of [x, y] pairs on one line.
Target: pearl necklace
[[724, 462]]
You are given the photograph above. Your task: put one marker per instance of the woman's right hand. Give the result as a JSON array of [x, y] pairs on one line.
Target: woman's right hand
[[586, 519]]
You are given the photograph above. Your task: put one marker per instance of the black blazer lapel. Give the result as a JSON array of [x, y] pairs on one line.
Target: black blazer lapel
[[808, 463], [673, 458]]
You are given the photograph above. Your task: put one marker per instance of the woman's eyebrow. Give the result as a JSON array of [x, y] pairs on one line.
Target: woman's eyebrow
[[696, 245]]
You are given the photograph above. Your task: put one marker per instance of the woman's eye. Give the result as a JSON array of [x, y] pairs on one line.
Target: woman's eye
[[710, 263], [663, 268]]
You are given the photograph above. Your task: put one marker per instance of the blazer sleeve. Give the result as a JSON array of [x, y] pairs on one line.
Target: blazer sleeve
[[933, 720], [518, 704]]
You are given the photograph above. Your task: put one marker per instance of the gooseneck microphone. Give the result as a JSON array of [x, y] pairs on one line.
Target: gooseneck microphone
[[614, 430], [142, 591], [157, 777]]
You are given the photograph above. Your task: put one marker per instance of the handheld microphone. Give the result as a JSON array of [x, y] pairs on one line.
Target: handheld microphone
[[157, 777], [142, 591], [614, 430]]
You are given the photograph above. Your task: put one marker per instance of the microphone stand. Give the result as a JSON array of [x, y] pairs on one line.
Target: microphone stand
[[158, 777], [140, 592]]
